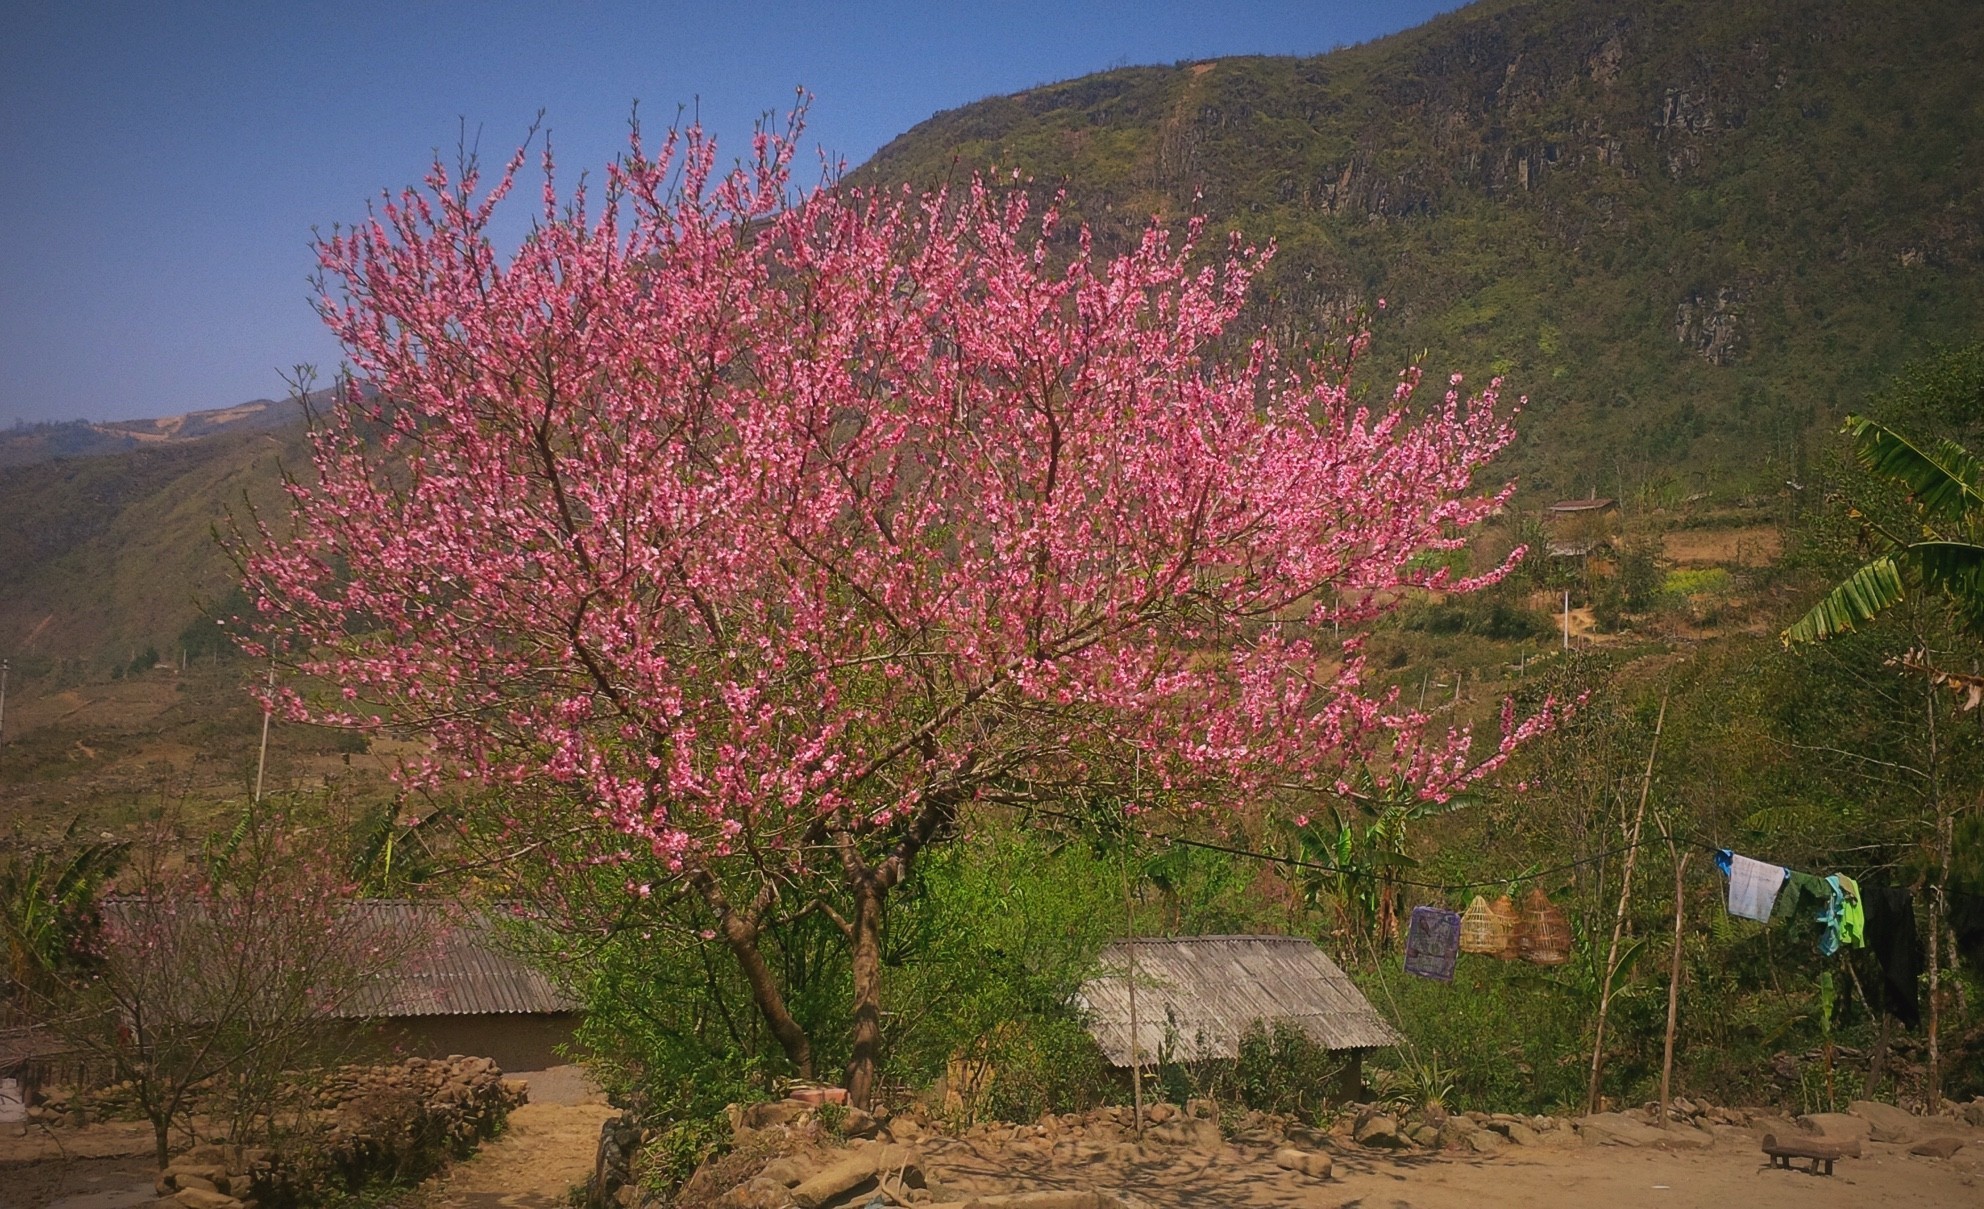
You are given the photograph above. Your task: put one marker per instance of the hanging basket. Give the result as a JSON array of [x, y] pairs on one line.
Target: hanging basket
[[1483, 931], [1510, 921], [1545, 935]]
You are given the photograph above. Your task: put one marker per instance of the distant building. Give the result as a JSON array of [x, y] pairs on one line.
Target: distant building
[[1590, 507]]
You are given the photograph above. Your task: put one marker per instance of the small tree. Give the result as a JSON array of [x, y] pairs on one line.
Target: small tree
[[219, 981], [776, 534]]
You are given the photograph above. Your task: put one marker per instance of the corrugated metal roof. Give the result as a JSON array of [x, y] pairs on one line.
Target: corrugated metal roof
[[464, 971], [449, 964], [1196, 995]]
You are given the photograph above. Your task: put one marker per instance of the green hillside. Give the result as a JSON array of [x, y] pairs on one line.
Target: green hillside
[[1687, 230]]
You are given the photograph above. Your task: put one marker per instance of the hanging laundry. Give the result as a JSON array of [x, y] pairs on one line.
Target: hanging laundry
[[1966, 923], [1852, 915], [1897, 949], [1841, 921], [1804, 896], [1753, 885], [1432, 943]]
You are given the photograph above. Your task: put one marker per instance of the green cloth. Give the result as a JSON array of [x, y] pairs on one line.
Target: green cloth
[[1852, 915], [1804, 897]]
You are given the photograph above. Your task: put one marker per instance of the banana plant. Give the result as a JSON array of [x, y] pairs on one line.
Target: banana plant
[[1355, 860], [1944, 555]]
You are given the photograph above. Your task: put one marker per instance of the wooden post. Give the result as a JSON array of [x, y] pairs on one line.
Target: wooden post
[[1130, 949], [262, 761], [1673, 982], [1619, 919]]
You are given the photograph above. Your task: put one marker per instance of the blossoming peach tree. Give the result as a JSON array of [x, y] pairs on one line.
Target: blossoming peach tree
[[779, 529]]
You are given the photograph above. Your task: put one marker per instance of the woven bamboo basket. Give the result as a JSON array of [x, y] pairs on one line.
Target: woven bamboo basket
[[1545, 935], [1482, 930], [1504, 910]]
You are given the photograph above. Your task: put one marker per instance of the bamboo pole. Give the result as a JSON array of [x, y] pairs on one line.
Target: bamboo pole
[[1673, 982], [1619, 919]]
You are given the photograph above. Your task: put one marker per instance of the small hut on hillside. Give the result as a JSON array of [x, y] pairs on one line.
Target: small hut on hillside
[[1196, 995]]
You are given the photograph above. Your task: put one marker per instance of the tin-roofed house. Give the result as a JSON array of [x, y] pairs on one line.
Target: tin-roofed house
[[465, 992], [1196, 995]]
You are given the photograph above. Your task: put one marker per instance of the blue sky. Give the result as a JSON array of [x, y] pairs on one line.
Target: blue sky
[[164, 164]]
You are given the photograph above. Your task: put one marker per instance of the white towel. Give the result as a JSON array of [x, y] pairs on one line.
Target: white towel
[[1753, 887]]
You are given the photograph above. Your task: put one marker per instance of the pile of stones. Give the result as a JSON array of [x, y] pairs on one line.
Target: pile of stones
[[370, 1124]]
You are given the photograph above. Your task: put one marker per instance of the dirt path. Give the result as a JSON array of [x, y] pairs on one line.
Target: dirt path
[[1577, 1177], [547, 1147]]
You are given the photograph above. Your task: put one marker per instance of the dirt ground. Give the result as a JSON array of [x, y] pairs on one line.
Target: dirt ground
[[547, 1147], [1727, 1177], [1748, 546]]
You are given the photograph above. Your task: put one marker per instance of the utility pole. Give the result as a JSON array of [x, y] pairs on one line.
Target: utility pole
[[4, 665]]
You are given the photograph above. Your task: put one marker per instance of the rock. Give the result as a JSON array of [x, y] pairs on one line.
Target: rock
[[1973, 1112], [1456, 1131], [1307, 1162], [785, 1171], [1189, 1132], [1937, 1148], [185, 1179], [1301, 1137], [204, 1198], [856, 1123], [1836, 1126], [1204, 1110], [1520, 1134], [1160, 1112], [1885, 1122], [1618, 1129], [773, 1112], [867, 1164], [1427, 1136], [1485, 1141], [1378, 1131]]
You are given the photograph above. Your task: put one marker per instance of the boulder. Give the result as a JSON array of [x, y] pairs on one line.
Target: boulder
[[1519, 1134], [869, 1163], [1160, 1112], [1455, 1132], [1378, 1131], [785, 1171], [205, 1198], [1937, 1148], [1837, 1127], [1885, 1122], [1305, 1162], [1426, 1135], [1485, 1141], [1973, 1112]]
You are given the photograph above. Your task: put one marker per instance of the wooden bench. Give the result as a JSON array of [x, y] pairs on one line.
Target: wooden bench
[[1817, 1150]]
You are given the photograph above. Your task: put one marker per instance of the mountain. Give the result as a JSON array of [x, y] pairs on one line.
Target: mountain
[[27, 444], [1688, 229], [1691, 231]]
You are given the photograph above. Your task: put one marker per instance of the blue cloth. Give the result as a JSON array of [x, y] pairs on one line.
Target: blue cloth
[[1432, 943]]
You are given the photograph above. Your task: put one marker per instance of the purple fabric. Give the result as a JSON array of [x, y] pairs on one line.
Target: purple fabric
[[1432, 943]]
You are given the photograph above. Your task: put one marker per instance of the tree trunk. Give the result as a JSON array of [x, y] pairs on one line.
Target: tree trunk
[[865, 1052], [162, 1141], [740, 931]]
